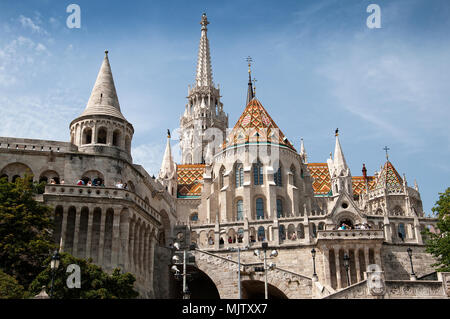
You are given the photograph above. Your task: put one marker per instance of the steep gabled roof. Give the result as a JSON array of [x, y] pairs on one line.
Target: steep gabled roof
[[389, 178], [256, 126]]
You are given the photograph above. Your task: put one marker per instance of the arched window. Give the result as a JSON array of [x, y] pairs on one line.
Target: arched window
[[101, 137], [259, 208], [277, 177], [87, 136], [282, 232], [261, 234], [314, 230], [194, 217], [239, 174], [300, 231], [401, 231], [280, 208], [116, 138], [258, 173], [240, 210], [294, 175]]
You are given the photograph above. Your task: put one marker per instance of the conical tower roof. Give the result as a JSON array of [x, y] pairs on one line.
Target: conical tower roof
[[339, 163], [256, 126], [389, 178], [168, 167], [103, 99]]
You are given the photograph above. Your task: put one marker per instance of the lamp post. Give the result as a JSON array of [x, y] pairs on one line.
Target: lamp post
[[274, 253], [54, 264], [346, 265], [238, 249], [413, 275], [174, 268], [313, 253]]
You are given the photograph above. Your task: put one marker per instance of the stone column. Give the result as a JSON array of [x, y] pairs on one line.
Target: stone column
[[377, 256], [357, 265], [76, 231], [417, 231], [346, 251], [326, 265], [101, 242], [63, 228], [115, 249], [89, 233], [130, 261], [366, 257], [151, 265], [387, 230], [338, 267]]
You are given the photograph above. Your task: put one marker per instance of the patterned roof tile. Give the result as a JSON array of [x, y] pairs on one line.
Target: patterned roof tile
[[190, 180]]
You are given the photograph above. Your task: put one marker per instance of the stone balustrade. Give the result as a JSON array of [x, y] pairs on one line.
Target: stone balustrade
[[35, 145], [353, 234], [101, 192]]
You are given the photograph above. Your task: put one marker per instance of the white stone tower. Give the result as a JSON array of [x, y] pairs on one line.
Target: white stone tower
[[101, 128], [168, 172], [204, 119]]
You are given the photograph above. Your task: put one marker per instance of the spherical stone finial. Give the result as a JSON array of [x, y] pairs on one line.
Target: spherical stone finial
[[106, 52]]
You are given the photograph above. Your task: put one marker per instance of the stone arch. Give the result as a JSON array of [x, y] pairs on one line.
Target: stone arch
[[87, 136], [300, 231], [102, 135], [346, 216], [165, 234], [15, 170], [254, 289], [116, 138], [131, 187], [92, 175], [48, 175], [231, 234], [291, 232]]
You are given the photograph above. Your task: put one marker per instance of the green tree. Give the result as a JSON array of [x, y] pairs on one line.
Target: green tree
[[439, 244], [95, 283], [9, 287], [25, 230]]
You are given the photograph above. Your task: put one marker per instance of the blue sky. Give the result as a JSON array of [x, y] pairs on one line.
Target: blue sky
[[317, 64]]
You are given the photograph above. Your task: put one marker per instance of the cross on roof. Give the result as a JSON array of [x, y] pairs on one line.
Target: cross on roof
[[386, 149], [254, 86], [249, 61]]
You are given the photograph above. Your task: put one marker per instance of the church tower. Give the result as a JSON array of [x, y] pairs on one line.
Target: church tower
[[168, 172], [101, 128], [204, 119]]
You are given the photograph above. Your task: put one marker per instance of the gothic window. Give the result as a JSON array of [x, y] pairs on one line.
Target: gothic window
[[194, 217], [259, 208], [294, 176], [101, 137], [314, 230], [258, 173], [401, 231], [277, 177], [280, 208], [221, 173], [261, 234], [240, 210], [300, 231], [239, 174], [282, 232]]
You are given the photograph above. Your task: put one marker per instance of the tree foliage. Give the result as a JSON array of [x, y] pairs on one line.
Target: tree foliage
[[438, 244], [9, 287], [25, 230], [95, 283]]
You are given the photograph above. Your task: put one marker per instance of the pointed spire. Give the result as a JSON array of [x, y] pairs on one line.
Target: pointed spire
[[168, 166], [303, 151], [416, 186], [204, 70], [103, 99], [250, 95], [339, 162]]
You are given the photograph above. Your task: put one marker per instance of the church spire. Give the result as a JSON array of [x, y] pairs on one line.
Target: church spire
[[168, 172], [303, 152], [204, 70], [250, 95], [339, 162], [103, 99]]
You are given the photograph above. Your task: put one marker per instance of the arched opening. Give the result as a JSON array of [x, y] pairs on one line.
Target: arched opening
[[280, 212], [277, 178], [87, 136], [116, 138], [95, 177], [199, 284], [259, 208], [221, 176], [261, 234], [240, 209], [239, 174], [258, 173], [101, 135], [254, 289], [16, 170], [50, 177], [282, 233], [194, 217]]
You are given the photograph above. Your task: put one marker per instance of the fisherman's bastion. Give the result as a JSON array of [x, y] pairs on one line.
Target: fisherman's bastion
[[336, 235]]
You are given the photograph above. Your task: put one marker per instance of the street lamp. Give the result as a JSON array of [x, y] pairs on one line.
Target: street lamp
[[346, 265], [413, 275], [313, 253], [54, 264], [273, 254], [238, 249], [176, 260]]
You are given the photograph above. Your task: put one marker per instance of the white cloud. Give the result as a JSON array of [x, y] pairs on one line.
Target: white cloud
[[28, 23]]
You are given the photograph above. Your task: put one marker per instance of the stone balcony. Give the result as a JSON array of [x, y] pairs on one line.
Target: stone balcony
[[101, 193], [354, 234]]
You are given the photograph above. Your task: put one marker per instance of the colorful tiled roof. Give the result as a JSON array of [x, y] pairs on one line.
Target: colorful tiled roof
[[359, 185], [322, 180], [190, 180], [256, 126], [389, 178]]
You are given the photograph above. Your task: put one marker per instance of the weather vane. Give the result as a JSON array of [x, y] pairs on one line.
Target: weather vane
[[249, 61], [386, 149]]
